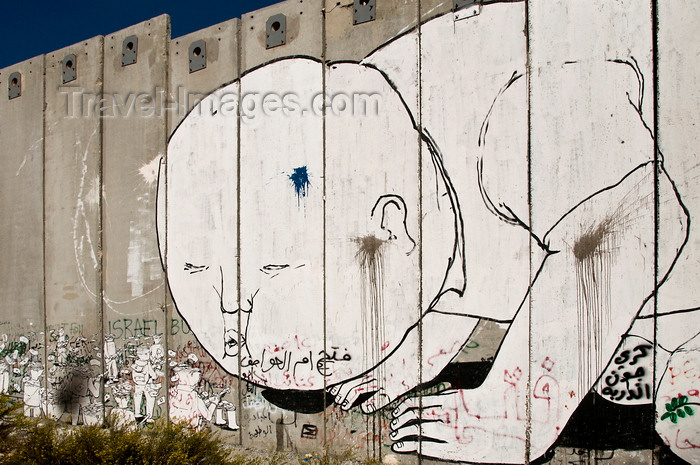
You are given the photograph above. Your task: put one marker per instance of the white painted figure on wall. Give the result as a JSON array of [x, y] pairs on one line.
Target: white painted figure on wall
[[157, 356], [187, 403], [121, 393], [84, 388], [4, 366], [33, 390], [508, 222], [4, 376], [61, 339], [146, 387], [111, 357]]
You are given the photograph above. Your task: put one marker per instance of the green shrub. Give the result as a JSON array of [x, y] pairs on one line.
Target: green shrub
[[179, 444], [80, 446], [46, 442], [124, 446], [30, 441], [9, 410]]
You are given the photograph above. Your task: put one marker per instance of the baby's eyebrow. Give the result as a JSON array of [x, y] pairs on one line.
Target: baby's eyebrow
[[267, 268]]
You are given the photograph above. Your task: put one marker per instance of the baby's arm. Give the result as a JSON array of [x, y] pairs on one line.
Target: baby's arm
[[585, 297], [444, 335]]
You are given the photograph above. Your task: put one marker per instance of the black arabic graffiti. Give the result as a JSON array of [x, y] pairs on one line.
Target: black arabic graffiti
[[283, 361], [628, 382]]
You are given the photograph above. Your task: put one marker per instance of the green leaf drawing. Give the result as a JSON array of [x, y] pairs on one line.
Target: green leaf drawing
[[678, 408]]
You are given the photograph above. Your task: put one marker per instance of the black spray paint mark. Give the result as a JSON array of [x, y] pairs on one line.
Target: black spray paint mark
[[300, 182], [593, 251]]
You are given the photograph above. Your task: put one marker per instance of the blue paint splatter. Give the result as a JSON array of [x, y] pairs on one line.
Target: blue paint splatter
[[300, 181]]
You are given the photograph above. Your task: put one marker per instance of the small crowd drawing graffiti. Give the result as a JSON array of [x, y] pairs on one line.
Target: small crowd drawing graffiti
[[15, 357], [132, 380], [74, 377], [21, 371], [193, 407], [135, 372], [565, 237]]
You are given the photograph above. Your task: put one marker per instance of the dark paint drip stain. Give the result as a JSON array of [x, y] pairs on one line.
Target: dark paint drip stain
[[368, 251], [590, 241], [370, 258], [594, 257], [300, 181]]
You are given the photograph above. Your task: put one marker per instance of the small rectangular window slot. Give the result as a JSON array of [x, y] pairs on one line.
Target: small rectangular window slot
[[466, 9], [365, 11], [69, 65], [14, 85], [130, 48], [276, 31], [198, 55]]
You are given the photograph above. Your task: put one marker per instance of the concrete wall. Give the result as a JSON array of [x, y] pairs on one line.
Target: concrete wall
[[439, 235]]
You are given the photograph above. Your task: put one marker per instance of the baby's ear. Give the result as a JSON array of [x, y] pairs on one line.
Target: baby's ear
[[389, 214]]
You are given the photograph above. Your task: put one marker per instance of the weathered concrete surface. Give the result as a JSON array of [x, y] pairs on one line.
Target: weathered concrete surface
[[475, 162], [679, 94], [363, 136], [678, 132], [73, 182], [22, 198], [22, 230], [579, 125], [291, 236], [186, 89], [134, 140], [304, 33], [348, 41]]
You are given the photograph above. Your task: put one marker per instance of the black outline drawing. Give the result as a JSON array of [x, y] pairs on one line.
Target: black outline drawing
[[455, 278]]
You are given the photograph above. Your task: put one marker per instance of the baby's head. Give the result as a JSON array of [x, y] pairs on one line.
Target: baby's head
[[330, 211]]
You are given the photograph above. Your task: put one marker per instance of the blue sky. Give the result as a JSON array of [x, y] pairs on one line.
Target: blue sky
[[30, 28]]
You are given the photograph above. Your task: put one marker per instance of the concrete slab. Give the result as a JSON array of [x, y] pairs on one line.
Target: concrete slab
[[134, 141], [304, 35], [262, 133], [22, 131], [73, 147], [22, 229], [347, 41], [590, 162], [186, 88], [281, 244], [372, 222], [185, 184], [678, 99], [372, 157]]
